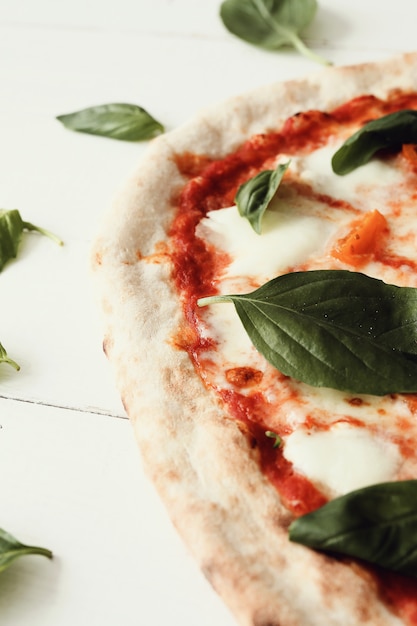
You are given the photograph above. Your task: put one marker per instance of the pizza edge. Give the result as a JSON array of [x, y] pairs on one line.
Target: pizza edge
[[207, 475]]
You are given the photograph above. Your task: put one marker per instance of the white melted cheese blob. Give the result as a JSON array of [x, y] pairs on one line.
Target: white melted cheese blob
[[287, 239], [232, 340], [343, 458], [368, 184]]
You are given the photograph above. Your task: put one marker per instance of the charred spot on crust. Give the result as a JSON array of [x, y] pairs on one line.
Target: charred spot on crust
[[355, 401]]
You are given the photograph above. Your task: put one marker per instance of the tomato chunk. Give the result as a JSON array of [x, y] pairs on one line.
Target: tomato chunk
[[363, 240]]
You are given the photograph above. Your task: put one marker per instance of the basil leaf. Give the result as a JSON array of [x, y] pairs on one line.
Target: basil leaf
[[11, 549], [272, 435], [254, 196], [4, 358], [127, 122], [334, 328], [271, 24], [11, 230], [376, 524], [390, 131]]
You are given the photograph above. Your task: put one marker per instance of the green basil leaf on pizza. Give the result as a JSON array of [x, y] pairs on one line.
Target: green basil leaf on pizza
[[376, 524], [389, 131], [127, 122], [271, 24], [254, 196], [11, 549], [334, 328]]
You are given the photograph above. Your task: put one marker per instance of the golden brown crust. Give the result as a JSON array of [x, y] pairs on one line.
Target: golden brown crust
[[202, 465]]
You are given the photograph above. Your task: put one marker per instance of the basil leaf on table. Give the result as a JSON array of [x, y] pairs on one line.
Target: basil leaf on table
[[254, 196], [389, 131], [271, 24], [11, 230], [377, 524], [127, 122], [11, 549], [4, 358], [334, 328]]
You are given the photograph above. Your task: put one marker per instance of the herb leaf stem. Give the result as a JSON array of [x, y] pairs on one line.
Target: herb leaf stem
[[43, 231], [301, 47], [292, 36], [4, 358], [11, 549]]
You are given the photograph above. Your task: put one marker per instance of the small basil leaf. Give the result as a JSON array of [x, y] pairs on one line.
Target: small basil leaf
[[334, 328], [376, 524], [390, 131], [4, 358], [270, 24], [11, 230], [254, 196], [272, 435], [11, 549], [127, 122]]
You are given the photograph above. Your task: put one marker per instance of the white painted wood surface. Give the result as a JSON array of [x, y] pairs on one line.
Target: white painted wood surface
[[71, 474]]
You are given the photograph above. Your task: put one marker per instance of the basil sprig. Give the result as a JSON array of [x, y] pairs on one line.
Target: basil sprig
[[389, 131], [127, 122], [11, 230], [271, 24], [334, 328], [376, 524], [4, 358], [254, 196], [11, 549]]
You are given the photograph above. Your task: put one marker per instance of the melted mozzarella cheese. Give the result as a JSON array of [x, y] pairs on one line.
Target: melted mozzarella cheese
[[343, 458], [287, 239], [232, 340], [371, 183]]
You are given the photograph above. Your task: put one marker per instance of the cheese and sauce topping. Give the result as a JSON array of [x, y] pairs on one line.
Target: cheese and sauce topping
[[332, 442], [300, 231]]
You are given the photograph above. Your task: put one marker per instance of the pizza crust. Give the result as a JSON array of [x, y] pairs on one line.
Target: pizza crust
[[203, 467]]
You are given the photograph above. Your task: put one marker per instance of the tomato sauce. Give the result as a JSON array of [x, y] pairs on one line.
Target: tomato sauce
[[213, 185], [297, 492]]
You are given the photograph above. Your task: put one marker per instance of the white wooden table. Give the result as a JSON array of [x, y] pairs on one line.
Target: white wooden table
[[71, 476]]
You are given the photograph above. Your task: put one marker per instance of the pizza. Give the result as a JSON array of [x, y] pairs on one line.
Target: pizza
[[257, 276]]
